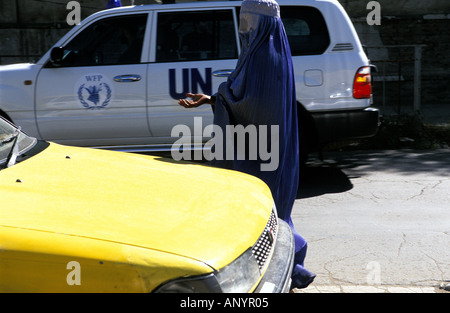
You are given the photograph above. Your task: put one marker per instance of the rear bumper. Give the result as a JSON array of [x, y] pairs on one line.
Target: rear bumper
[[345, 125], [277, 278]]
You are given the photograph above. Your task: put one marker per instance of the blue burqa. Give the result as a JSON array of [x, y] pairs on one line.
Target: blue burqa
[[261, 91]]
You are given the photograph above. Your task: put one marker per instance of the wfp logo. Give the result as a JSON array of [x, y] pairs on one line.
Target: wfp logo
[[94, 91]]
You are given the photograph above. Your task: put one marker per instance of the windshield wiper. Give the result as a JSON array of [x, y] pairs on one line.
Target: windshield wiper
[[14, 152]]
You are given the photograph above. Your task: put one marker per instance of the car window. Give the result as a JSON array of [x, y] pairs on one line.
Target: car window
[[10, 138], [110, 41], [193, 36], [306, 30]]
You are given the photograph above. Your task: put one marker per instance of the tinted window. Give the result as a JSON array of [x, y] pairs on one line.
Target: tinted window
[[110, 41], [306, 30], [192, 36]]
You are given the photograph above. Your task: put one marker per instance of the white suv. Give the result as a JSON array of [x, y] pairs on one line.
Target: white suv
[[114, 80]]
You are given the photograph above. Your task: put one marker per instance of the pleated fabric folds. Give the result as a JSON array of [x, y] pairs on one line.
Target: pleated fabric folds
[[261, 92]]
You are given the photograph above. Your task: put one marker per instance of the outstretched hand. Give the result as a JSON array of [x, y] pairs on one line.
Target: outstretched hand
[[197, 100]]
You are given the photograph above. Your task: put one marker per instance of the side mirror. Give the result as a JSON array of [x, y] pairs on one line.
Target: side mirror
[[56, 56]]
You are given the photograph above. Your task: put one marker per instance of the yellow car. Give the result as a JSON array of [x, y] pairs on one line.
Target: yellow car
[[85, 220]]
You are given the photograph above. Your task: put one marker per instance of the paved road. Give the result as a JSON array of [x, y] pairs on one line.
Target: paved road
[[377, 221]]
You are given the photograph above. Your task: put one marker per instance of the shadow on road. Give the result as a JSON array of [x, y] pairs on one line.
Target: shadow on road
[[334, 173], [316, 180], [403, 162]]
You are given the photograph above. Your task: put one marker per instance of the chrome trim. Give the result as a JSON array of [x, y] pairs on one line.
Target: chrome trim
[[222, 73], [129, 78], [264, 247]]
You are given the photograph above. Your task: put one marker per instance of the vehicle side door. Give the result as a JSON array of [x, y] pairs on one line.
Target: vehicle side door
[[194, 51], [96, 95]]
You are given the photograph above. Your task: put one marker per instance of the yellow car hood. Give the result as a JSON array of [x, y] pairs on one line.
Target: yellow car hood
[[203, 213]]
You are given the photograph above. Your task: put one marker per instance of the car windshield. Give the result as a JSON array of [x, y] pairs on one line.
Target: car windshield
[[13, 143]]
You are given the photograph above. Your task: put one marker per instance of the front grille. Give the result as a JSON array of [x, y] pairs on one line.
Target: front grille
[[262, 248]]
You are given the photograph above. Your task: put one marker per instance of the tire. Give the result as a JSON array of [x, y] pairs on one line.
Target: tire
[[307, 134]]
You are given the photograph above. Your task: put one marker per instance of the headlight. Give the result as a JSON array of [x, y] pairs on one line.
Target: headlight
[[239, 276]]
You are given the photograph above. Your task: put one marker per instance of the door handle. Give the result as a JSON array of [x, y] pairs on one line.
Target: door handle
[[222, 73], [129, 78]]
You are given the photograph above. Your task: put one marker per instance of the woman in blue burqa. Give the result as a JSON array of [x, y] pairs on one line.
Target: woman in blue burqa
[[261, 91]]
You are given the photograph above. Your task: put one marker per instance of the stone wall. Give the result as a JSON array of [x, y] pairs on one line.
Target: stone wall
[[405, 23], [28, 28], [435, 59], [398, 8]]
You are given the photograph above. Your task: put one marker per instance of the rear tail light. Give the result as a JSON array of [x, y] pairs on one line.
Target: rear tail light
[[362, 85]]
